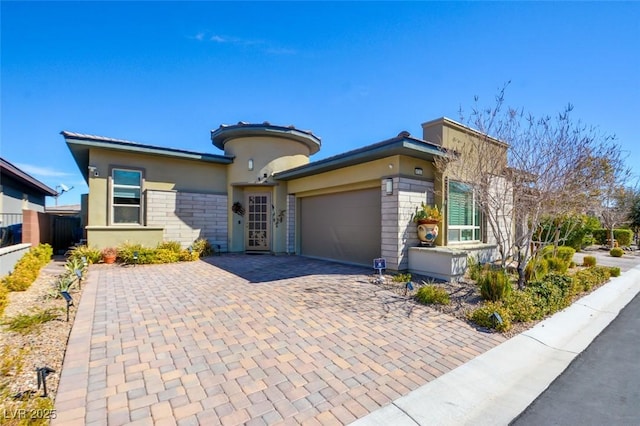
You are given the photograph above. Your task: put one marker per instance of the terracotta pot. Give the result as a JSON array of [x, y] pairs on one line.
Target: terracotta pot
[[109, 259]]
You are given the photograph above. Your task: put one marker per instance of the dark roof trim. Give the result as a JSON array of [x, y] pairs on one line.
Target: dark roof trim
[[224, 133], [400, 145], [123, 145], [25, 178]]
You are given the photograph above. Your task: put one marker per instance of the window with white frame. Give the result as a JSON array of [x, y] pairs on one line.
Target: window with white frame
[[126, 202], [463, 214]]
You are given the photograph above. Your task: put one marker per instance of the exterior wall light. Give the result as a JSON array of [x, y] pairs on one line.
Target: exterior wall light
[[417, 171], [389, 186], [250, 165]]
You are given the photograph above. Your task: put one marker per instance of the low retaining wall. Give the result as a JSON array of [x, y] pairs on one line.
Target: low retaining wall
[[10, 255], [446, 263]]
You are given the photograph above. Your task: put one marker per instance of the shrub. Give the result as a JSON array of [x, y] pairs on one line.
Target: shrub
[[589, 278], [551, 293], [483, 316], [25, 324], [589, 261], [536, 269], [4, 298], [622, 236], [556, 264], [188, 256], [616, 252], [494, 285], [401, 278], [602, 273], [614, 271], [92, 255], [523, 307], [145, 255], [432, 295], [28, 267], [203, 247], [173, 246], [475, 268]]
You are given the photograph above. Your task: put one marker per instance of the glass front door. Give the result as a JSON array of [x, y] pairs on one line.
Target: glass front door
[[258, 220]]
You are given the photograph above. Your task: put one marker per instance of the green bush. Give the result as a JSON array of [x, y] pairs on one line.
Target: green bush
[[203, 247], [494, 285], [552, 293], [145, 255], [163, 255], [589, 261], [4, 298], [622, 236], [556, 264], [523, 306], [92, 255], [536, 269], [614, 271], [401, 278], [475, 268], [482, 316], [589, 278], [616, 252], [173, 246], [432, 295], [602, 273], [28, 267]]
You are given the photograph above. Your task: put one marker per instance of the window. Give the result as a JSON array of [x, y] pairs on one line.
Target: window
[[463, 214], [127, 185]]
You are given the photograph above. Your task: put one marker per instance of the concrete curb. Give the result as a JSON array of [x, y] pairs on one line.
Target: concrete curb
[[498, 385]]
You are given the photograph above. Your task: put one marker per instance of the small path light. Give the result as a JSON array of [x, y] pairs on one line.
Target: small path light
[[79, 275], [69, 300], [84, 262], [42, 373], [135, 258], [408, 287]]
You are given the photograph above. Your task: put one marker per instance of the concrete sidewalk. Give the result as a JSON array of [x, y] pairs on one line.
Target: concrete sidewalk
[[495, 387]]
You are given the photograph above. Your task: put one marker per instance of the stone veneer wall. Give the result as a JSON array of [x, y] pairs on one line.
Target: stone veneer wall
[[398, 230], [187, 216], [291, 224]]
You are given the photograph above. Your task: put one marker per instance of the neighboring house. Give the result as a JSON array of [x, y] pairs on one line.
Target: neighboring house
[[23, 222], [262, 194], [20, 195]]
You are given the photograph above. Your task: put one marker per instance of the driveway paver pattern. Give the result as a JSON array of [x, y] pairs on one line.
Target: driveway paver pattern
[[241, 339]]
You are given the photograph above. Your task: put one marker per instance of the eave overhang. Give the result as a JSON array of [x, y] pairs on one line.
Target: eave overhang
[[224, 133], [80, 144], [401, 145], [12, 171]]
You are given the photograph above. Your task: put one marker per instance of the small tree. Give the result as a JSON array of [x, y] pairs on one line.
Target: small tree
[[549, 170]]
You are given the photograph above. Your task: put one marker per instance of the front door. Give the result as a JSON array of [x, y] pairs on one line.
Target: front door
[[258, 234]]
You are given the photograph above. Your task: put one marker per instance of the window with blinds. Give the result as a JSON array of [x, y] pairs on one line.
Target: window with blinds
[[125, 201], [463, 214]]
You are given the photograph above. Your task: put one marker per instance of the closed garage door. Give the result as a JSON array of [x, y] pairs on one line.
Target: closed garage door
[[344, 226]]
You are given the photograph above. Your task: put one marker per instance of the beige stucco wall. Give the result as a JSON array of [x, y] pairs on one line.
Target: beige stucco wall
[[113, 236], [469, 145], [359, 176], [269, 155], [160, 173]]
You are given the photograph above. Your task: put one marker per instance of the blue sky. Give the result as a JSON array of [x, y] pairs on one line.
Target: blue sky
[[166, 73]]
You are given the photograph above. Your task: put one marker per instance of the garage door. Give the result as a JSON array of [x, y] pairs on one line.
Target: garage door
[[344, 226]]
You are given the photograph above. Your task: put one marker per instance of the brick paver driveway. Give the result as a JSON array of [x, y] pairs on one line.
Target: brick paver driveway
[[249, 339]]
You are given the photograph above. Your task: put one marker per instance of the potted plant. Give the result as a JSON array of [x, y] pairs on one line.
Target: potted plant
[[427, 214], [109, 254], [427, 217]]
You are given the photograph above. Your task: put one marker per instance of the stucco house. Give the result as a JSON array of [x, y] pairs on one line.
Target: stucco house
[[23, 221], [263, 194]]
